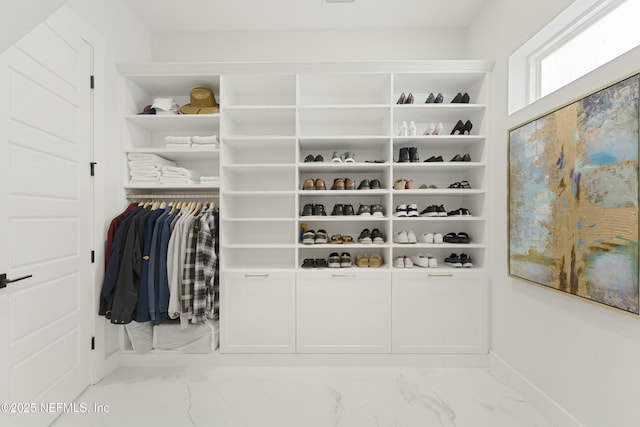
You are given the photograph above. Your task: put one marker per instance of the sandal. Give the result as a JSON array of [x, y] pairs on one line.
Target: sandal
[[463, 238], [465, 184], [336, 239], [362, 260], [346, 239], [408, 184], [375, 261], [450, 238]]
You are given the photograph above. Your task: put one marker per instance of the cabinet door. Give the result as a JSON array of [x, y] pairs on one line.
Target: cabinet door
[[257, 312], [440, 313], [343, 311]]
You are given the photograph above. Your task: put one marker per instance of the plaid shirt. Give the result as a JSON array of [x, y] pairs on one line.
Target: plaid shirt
[[188, 275], [204, 292]]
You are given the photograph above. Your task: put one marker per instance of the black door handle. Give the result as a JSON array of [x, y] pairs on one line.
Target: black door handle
[[4, 281]]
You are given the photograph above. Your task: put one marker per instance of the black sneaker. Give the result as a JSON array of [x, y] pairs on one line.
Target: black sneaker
[[309, 263], [348, 210], [321, 237], [457, 212], [375, 184], [318, 210], [377, 237], [321, 263], [465, 260], [453, 260], [338, 209], [441, 210], [377, 210], [307, 210], [429, 211], [364, 185], [465, 212], [309, 158], [365, 237], [413, 154], [412, 210], [364, 210], [345, 260], [334, 260]]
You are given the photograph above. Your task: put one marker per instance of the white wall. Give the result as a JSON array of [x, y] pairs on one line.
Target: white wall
[[126, 39], [311, 45], [584, 357], [17, 18]]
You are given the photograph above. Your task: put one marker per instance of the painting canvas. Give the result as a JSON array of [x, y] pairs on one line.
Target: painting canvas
[[573, 198]]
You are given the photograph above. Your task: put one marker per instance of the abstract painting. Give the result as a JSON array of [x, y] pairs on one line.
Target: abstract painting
[[573, 198]]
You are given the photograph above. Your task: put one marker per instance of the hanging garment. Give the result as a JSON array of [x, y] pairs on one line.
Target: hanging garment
[[206, 259], [142, 307]]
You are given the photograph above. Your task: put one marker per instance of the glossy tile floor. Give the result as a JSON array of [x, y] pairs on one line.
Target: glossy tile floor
[[304, 397]]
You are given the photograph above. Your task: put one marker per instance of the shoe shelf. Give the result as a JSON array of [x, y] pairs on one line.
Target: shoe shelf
[[342, 193], [258, 108], [344, 89], [356, 121], [341, 167], [344, 246], [342, 218], [251, 168], [437, 166], [193, 122], [273, 90], [439, 218], [180, 155], [438, 191], [213, 186], [440, 140], [458, 246], [469, 108]]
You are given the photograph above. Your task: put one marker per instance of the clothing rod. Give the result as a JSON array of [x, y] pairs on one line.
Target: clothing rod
[[173, 196]]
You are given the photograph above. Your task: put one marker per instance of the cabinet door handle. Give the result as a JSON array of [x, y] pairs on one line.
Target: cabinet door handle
[[343, 275], [256, 275], [440, 275]]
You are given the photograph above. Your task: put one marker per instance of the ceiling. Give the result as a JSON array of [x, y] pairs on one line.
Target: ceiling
[[211, 15]]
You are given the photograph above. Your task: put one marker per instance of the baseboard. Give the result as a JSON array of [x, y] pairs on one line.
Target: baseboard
[[532, 394], [166, 359]]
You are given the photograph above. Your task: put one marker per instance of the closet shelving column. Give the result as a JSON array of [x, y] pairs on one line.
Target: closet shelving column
[[450, 302], [257, 224], [340, 113]]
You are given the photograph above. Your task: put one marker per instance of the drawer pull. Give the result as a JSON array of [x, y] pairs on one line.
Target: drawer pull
[[441, 275], [256, 275], [343, 275]]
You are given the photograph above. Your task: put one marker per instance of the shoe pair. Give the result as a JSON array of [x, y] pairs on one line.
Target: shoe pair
[[434, 210], [340, 260], [405, 99], [317, 184], [434, 159], [456, 238], [403, 210], [370, 237], [311, 158], [434, 129], [313, 210], [408, 154], [424, 260], [462, 128], [371, 210], [403, 184], [310, 237], [405, 129], [403, 237], [460, 212], [341, 239], [461, 99], [340, 209], [402, 262], [431, 238], [464, 185], [459, 158], [347, 157], [428, 187], [374, 184], [458, 261], [434, 99], [343, 184], [373, 261], [315, 263]]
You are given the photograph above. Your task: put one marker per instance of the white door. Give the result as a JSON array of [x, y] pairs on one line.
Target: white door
[[45, 223]]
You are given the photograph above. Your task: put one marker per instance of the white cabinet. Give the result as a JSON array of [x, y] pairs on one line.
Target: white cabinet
[[343, 311], [440, 312], [257, 312]]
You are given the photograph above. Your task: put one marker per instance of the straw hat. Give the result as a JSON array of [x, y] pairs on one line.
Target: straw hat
[[202, 102]]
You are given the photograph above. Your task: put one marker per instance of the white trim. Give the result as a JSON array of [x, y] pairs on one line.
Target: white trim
[[531, 393]]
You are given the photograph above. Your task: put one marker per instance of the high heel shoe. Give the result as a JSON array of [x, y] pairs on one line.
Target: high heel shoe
[[430, 99], [467, 128], [458, 129], [465, 98], [402, 99], [403, 129], [438, 130], [409, 99], [431, 127], [412, 129], [457, 99], [439, 99]]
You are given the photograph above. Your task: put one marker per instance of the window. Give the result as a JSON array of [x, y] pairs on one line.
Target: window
[[588, 34]]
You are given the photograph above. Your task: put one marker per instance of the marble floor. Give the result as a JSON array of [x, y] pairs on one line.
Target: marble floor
[[304, 397]]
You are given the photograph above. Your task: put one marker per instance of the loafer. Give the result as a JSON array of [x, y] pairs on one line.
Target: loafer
[[364, 210], [377, 210], [320, 185], [375, 184], [309, 158], [349, 184], [364, 185], [308, 184], [348, 210], [365, 237], [318, 210], [338, 209], [338, 184], [307, 210], [334, 260], [377, 237]]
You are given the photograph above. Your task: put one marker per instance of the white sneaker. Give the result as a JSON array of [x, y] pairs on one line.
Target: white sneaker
[[426, 238], [420, 260], [412, 210], [398, 262], [411, 237], [400, 237], [407, 262], [437, 238], [433, 262]]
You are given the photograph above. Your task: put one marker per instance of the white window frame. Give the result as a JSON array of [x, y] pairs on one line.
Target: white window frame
[[525, 63]]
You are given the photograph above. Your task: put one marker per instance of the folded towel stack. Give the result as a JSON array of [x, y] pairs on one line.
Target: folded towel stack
[[178, 175], [191, 141], [209, 180], [145, 168], [178, 141], [204, 141]]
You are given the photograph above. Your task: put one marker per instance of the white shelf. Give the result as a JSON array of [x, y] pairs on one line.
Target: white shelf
[[342, 167], [342, 106], [443, 106], [259, 167], [439, 271], [438, 245], [192, 122], [258, 246], [258, 219], [258, 193], [440, 140], [342, 218], [171, 186], [345, 270], [342, 193], [438, 166], [440, 218], [253, 138], [178, 155], [258, 107], [343, 246], [438, 191]]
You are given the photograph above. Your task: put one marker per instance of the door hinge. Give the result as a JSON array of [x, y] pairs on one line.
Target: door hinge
[[93, 81], [93, 257], [93, 343], [92, 165]]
